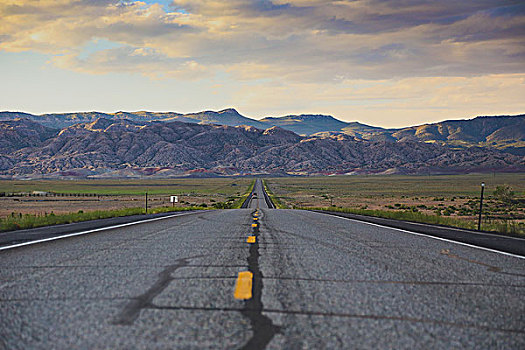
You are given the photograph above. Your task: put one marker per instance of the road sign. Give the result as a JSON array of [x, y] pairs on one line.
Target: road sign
[[174, 199]]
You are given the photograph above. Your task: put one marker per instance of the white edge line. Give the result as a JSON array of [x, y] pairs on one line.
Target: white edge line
[[495, 235], [434, 237], [89, 231], [430, 225]]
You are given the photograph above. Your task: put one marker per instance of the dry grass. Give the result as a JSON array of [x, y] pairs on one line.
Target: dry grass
[[453, 197], [25, 221], [67, 196]]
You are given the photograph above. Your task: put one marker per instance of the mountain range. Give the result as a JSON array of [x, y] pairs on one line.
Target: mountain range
[[501, 132], [224, 143]]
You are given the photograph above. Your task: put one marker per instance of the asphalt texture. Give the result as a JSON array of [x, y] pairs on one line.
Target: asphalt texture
[[513, 244], [319, 282]]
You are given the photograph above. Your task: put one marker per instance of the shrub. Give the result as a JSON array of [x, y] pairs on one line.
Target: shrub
[[504, 193], [16, 222]]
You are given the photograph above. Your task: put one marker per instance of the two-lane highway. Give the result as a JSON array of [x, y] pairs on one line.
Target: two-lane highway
[[258, 198], [318, 281]]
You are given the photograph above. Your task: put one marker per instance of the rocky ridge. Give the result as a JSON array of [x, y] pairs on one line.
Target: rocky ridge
[[506, 133], [125, 148]]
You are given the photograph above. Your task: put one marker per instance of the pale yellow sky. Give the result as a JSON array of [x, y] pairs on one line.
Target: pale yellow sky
[[387, 63]]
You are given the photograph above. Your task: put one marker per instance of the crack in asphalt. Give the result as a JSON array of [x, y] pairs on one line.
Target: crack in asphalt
[[132, 310], [424, 283], [214, 265], [489, 267], [205, 278], [62, 299], [262, 326], [318, 241], [82, 266], [341, 315]]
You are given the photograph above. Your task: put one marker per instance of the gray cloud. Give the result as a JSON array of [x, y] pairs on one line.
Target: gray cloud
[[296, 39]]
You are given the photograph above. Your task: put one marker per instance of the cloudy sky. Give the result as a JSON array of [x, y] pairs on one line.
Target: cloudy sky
[[387, 63]]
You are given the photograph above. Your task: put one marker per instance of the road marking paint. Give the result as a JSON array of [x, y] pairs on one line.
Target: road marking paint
[[251, 239], [90, 231], [243, 286], [467, 231], [433, 237], [254, 225]]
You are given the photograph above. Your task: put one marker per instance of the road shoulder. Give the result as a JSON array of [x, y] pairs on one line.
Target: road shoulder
[[508, 244], [47, 232]]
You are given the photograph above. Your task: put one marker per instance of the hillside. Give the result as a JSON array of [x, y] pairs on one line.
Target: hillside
[[20, 133], [501, 132], [228, 117], [493, 131], [125, 148], [306, 124]]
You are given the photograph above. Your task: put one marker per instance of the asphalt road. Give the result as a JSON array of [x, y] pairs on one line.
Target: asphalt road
[[514, 244], [258, 198], [48, 232], [319, 281]]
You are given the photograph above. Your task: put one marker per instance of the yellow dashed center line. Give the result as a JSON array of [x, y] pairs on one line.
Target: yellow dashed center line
[[243, 287]]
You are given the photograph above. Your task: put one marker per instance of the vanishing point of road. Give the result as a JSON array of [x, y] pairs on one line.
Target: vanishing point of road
[[308, 281]]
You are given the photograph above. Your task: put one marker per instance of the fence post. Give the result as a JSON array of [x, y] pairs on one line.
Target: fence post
[[481, 205]]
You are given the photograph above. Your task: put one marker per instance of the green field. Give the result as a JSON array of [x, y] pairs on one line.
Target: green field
[[449, 200], [25, 221], [222, 186], [395, 186], [27, 204]]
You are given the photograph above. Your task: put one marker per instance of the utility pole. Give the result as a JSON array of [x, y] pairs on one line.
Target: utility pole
[[481, 205], [146, 202]]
